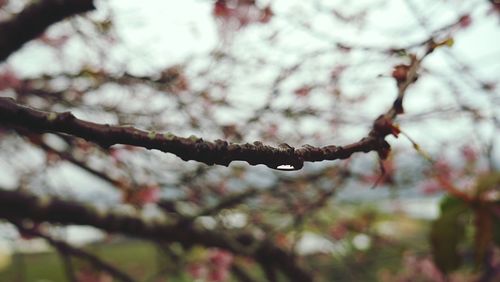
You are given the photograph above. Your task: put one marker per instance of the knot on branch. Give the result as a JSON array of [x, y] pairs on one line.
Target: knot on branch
[[311, 153], [383, 149], [384, 126], [65, 117]]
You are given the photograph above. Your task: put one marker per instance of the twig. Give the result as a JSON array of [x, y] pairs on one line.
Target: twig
[[240, 273], [68, 265]]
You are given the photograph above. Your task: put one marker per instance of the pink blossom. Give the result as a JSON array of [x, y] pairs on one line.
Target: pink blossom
[[431, 187], [149, 194], [469, 154], [9, 79], [55, 42], [220, 258], [197, 270]]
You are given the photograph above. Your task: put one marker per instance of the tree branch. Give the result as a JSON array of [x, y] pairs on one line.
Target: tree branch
[[33, 20], [17, 206], [240, 274], [193, 148]]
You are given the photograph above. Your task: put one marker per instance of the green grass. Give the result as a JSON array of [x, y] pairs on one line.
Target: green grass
[[138, 259], [34, 267]]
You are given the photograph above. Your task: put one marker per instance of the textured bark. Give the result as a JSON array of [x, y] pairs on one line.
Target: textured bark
[[192, 148]]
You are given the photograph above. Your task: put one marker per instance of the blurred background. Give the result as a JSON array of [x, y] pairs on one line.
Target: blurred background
[[300, 72]]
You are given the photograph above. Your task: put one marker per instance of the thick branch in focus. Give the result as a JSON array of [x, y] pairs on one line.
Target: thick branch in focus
[[193, 148], [33, 20], [16, 206]]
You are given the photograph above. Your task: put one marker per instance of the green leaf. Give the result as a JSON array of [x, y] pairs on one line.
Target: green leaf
[[451, 205], [447, 232]]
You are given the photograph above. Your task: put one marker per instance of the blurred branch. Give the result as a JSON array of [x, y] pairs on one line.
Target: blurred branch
[[175, 262], [33, 20], [269, 270], [17, 206], [229, 202], [67, 249], [67, 156], [240, 273], [68, 265]]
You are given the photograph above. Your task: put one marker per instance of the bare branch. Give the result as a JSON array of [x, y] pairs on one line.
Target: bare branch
[[193, 148], [17, 206], [33, 20]]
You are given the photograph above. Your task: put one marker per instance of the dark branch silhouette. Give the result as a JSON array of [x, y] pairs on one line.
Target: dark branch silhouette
[[15, 206], [33, 20]]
